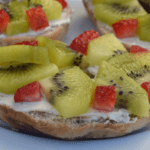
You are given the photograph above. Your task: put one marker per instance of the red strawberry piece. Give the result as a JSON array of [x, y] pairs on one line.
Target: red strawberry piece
[[146, 86], [80, 43], [137, 49], [28, 93], [31, 43], [63, 3], [105, 98], [4, 20], [125, 28], [37, 18]]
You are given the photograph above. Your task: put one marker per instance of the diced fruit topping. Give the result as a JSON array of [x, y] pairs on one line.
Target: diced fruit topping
[[105, 98], [4, 20], [80, 43], [146, 86], [104, 48], [37, 18], [125, 28], [28, 93], [70, 92], [63, 3], [31, 43], [137, 49], [17, 27]]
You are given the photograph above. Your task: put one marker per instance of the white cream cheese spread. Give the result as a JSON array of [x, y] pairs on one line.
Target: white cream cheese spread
[[118, 115], [52, 25]]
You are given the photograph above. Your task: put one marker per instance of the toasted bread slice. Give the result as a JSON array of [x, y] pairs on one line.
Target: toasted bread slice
[[78, 128], [57, 32]]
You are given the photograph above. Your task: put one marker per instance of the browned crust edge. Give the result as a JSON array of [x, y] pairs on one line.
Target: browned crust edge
[[57, 34], [98, 25], [93, 130]]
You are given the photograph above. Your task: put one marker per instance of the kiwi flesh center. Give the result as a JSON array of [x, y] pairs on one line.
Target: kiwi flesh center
[[124, 9], [59, 89]]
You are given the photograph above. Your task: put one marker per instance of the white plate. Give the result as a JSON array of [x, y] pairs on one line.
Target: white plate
[[12, 140]]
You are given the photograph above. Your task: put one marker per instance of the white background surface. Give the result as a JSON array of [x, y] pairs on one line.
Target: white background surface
[[11, 140]]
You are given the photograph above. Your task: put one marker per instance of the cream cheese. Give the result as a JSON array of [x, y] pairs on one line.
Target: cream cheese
[[52, 25], [118, 115]]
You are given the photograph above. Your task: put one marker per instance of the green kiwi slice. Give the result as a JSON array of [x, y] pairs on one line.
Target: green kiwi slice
[[110, 13], [59, 53], [23, 54], [143, 28], [130, 95], [94, 2], [13, 78], [52, 9], [17, 26], [72, 92], [15, 9], [103, 48], [135, 65]]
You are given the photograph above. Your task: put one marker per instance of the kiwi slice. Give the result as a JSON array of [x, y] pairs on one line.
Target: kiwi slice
[[130, 95], [72, 93], [59, 53], [18, 9], [17, 26], [110, 13], [13, 78], [51, 8], [135, 65], [95, 2], [23, 54], [143, 28], [103, 48]]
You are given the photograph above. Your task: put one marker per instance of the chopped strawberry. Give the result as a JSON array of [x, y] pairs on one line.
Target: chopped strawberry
[[146, 87], [80, 43], [137, 49], [4, 20], [28, 93], [37, 18], [125, 28], [31, 43], [63, 3], [105, 98]]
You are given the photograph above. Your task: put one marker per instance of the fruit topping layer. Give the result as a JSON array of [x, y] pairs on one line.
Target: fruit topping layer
[[21, 16], [45, 69], [125, 18]]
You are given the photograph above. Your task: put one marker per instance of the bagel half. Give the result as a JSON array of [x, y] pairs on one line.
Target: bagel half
[[104, 29], [56, 33], [78, 128]]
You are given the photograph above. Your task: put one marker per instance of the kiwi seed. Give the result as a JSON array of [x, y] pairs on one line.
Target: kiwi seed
[[130, 92], [51, 91], [121, 92], [121, 78]]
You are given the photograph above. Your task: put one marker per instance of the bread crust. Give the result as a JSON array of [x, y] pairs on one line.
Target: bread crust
[[57, 33], [62, 130], [99, 26]]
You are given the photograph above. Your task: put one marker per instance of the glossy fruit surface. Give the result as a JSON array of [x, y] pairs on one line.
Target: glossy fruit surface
[[63, 3], [105, 98], [80, 43], [37, 18], [137, 49], [31, 43], [28, 93], [4, 20], [146, 86], [125, 28]]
